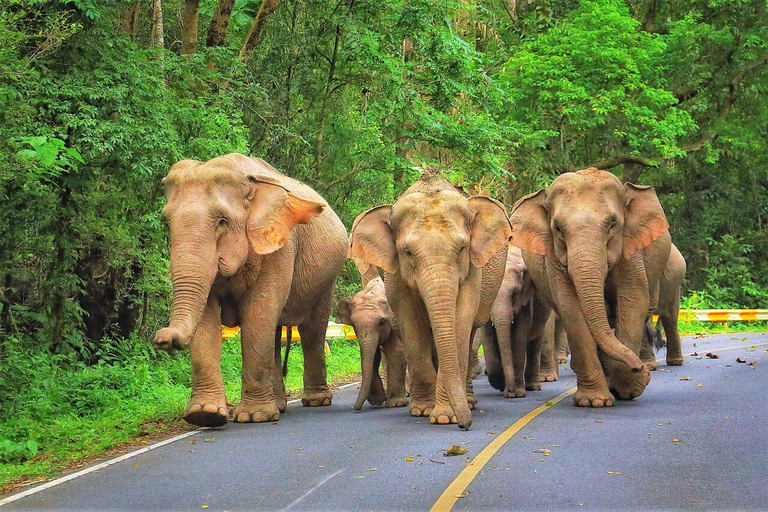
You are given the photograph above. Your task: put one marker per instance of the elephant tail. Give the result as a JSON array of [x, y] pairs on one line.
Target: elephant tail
[[654, 334], [287, 349]]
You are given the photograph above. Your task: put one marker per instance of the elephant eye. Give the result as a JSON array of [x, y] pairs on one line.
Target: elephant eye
[[408, 252], [463, 247], [557, 230], [223, 222], [613, 225]]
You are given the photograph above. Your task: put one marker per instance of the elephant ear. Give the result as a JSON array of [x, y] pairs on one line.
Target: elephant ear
[[372, 240], [345, 311], [274, 212], [490, 230], [530, 225], [644, 219], [367, 271]]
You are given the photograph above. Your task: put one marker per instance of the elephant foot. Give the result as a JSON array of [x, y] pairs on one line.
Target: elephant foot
[[472, 402], [628, 384], [282, 403], [421, 408], [377, 397], [256, 413], [443, 415], [533, 386], [206, 413], [593, 398], [675, 361], [475, 370], [397, 401], [516, 392], [562, 359], [548, 376], [317, 398]]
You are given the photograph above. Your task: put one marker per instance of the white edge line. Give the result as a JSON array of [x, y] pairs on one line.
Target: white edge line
[[54, 483], [67, 478], [322, 482]]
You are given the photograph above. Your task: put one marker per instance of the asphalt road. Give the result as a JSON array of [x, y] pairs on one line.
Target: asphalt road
[[696, 439]]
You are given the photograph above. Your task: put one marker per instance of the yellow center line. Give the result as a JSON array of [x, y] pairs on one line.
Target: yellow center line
[[455, 490]]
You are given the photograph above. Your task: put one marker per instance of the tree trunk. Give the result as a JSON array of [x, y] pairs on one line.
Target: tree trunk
[[130, 20], [256, 32], [189, 27], [157, 24], [217, 32]]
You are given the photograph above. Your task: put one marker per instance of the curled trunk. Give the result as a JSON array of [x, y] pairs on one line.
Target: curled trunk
[[588, 272], [193, 269]]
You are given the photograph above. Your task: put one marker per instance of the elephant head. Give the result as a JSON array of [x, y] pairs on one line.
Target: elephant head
[[369, 313], [583, 224], [221, 214], [435, 241]]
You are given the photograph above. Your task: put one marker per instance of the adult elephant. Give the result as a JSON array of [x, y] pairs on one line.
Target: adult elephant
[[591, 242], [250, 247], [442, 258]]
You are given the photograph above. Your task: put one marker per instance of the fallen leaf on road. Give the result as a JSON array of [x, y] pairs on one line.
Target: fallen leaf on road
[[491, 433], [740, 360], [751, 364], [598, 421], [408, 459], [372, 469], [695, 354], [544, 451], [685, 378], [712, 356], [211, 440], [675, 440], [456, 450], [699, 384]]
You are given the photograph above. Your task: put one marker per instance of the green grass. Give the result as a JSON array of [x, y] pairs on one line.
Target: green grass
[[56, 414], [691, 328]]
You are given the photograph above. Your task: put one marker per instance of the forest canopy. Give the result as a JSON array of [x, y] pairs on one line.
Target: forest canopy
[[99, 98]]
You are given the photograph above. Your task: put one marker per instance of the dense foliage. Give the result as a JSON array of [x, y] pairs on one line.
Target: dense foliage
[[98, 98]]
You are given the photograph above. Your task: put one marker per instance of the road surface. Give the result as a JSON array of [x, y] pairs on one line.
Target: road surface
[[696, 439]]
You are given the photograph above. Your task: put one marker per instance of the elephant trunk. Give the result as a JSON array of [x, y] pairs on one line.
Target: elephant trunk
[[369, 345], [440, 294], [193, 270], [588, 272]]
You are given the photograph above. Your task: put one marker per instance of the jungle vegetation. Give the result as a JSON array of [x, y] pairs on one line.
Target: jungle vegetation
[[98, 98]]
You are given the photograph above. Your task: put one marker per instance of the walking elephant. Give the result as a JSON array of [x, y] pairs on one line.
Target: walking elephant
[[374, 323], [442, 258], [590, 242], [250, 247], [668, 311], [554, 349], [513, 347]]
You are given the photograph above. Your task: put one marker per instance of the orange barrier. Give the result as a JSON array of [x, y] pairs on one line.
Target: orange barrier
[[724, 315], [334, 331]]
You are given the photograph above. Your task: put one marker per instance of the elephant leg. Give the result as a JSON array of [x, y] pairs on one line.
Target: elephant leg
[[395, 357], [207, 406], [669, 322], [541, 313], [278, 384], [471, 398], [419, 345], [316, 390], [475, 367], [647, 355], [520, 331], [561, 342], [632, 302], [548, 367]]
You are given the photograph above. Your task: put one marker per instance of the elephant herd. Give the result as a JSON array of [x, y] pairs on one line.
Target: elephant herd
[[588, 258]]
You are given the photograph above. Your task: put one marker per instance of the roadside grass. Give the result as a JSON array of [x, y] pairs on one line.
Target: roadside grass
[[64, 415], [687, 328]]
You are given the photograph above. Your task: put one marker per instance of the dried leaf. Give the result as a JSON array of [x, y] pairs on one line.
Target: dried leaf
[[408, 459], [491, 433], [675, 440], [211, 440], [372, 469], [544, 451], [740, 360], [699, 384], [456, 450], [751, 364], [685, 378], [598, 421], [712, 356], [695, 354]]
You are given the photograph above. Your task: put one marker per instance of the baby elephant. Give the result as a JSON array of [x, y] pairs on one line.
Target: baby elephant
[[512, 344], [369, 313]]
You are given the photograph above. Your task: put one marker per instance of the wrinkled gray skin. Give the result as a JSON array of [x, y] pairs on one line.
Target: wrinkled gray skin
[[668, 311], [442, 257], [588, 240], [518, 316], [255, 248], [374, 323], [554, 349]]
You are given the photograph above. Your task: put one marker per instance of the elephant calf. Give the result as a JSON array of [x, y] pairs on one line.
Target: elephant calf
[[370, 315], [513, 341]]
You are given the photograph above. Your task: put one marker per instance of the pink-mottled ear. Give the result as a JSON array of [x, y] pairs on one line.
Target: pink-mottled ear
[[644, 219], [530, 225], [490, 229], [372, 240], [274, 212]]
